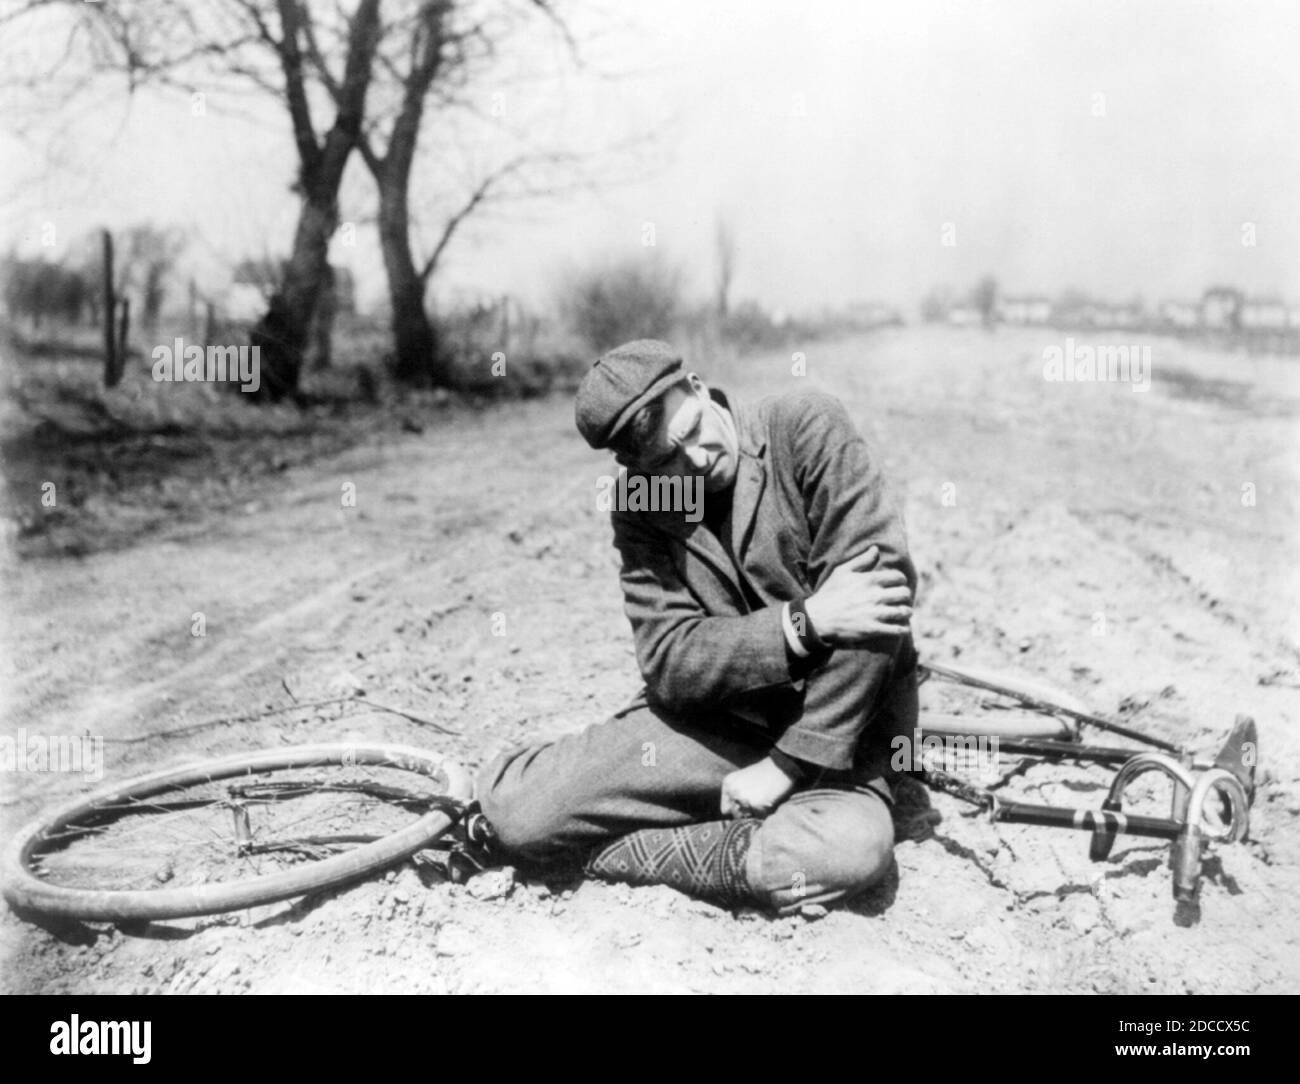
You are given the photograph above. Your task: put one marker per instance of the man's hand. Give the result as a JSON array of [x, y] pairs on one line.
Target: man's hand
[[755, 791], [859, 601]]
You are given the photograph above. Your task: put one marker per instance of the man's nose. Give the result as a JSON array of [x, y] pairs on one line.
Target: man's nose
[[697, 457]]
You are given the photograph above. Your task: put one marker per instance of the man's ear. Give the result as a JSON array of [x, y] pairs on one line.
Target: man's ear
[[698, 387]]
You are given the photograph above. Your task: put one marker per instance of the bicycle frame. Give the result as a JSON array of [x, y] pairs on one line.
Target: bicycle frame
[[1230, 777]]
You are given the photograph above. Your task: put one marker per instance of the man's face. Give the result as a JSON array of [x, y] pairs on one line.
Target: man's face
[[692, 440]]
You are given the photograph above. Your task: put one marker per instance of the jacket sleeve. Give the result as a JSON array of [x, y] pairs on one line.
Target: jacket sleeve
[[689, 659], [850, 508]]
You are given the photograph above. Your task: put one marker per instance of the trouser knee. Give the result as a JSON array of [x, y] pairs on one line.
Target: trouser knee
[[522, 825], [821, 847]]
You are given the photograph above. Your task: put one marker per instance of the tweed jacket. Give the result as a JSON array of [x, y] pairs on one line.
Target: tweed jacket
[[809, 495]]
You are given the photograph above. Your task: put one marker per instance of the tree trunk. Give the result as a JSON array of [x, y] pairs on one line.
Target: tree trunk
[[417, 358], [282, 333], [321, 348], [153, 296]]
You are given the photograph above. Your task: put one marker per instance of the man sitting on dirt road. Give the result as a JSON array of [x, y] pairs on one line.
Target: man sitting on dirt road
[[773, 637]]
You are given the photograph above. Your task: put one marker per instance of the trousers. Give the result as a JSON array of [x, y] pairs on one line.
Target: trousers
[[643, 768]]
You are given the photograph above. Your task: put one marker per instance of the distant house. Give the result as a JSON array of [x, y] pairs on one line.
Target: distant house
[[1104, 314], [1127, 316], [1025, 311], [1263, 314], [964, 316], [1180, 315], [1220, 308], [865, 315]]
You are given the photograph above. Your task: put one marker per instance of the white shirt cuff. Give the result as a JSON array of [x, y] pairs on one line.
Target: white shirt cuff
[[792, 637]]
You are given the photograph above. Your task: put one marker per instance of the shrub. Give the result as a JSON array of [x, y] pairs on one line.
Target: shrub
[[636, 298]]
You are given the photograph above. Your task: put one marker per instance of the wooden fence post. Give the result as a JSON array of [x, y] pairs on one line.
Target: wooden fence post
[[123, 331], [112, 346]]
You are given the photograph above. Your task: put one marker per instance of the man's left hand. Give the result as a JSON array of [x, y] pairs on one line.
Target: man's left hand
[[755, 791]]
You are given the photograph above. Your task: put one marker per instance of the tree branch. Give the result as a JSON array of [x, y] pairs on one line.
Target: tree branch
[[547, 8], [304, 134], [476, 197]]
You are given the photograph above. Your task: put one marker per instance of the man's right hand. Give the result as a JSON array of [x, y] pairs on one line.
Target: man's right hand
[[859, 602]]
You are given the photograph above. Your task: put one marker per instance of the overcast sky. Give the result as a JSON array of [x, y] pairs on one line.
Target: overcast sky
[[1118, 147]]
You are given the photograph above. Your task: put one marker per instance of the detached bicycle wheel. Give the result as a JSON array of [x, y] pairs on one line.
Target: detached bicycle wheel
[[234, 832]]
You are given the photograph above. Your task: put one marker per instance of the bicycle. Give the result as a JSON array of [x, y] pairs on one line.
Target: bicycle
[[1197, 784], [226, 834]]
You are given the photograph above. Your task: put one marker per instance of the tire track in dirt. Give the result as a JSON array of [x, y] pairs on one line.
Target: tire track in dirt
[[1199, 595]]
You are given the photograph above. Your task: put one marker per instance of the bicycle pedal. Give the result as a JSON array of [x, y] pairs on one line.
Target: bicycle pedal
[[462, 865], [478, 829]]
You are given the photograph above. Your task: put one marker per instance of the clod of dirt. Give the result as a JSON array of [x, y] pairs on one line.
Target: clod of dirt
[[495, 884]]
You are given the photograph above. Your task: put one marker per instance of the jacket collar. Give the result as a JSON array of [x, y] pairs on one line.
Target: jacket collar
[[751, 471]]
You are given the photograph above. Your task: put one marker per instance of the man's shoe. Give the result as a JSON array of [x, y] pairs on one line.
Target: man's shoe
[[475, 848]]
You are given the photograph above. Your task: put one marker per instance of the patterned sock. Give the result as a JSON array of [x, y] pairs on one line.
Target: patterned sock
[[705, 860]]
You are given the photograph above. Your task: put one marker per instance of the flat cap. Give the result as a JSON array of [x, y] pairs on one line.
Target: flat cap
[[621, 383]]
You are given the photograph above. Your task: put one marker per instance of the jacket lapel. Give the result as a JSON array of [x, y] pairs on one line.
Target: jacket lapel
[[701, 544], [700, 541], [751, 478]]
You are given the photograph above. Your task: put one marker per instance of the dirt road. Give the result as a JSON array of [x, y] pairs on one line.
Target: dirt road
[[1137, 548]]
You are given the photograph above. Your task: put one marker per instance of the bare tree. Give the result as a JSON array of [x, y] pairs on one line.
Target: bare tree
[[39, 290], [427, 49], [284, 331], [429, 57], [264, 42], [724, 254], [382, 67]]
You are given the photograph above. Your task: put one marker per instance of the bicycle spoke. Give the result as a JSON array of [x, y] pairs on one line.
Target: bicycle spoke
[[244, 829], [188, 833]]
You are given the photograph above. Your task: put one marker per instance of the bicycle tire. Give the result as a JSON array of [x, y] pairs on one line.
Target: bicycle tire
[[24, 890]]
